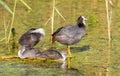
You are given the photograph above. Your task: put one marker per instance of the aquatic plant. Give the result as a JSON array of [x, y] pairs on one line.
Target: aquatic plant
[[7, 38], [14, 40], [6, 6], [92, 20]]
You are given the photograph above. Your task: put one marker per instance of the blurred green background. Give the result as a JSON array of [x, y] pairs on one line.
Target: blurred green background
[[91, 53]]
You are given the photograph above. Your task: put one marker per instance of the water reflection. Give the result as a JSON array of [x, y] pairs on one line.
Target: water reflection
[[60, 68], [83, 48], [51, 68], [64, 65]]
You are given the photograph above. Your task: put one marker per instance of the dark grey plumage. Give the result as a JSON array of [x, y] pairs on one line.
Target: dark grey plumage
[[29, 40], [71, 34], [35, 53], [52, 54], [28, 53], [31, 37]]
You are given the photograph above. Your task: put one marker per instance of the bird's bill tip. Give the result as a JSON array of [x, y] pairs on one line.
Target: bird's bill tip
[[84, 18]]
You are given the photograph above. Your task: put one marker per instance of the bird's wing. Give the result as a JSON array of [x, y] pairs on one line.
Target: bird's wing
[[58, 30], [27, 39], [24, 38]]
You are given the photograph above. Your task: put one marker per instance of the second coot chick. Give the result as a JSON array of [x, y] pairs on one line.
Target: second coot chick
[[35, 53], [31, 37]]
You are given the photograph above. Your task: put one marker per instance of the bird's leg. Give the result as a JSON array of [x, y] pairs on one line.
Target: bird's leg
[[68, 62], [68, 51]]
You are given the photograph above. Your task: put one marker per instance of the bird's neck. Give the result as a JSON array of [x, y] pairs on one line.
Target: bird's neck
[[22, 49], [81, 25]]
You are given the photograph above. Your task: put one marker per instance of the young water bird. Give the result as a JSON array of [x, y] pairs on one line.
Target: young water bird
[[35, 53], [30, 38], [70, 34]]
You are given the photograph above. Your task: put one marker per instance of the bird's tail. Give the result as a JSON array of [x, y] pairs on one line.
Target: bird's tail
[[52, 39]]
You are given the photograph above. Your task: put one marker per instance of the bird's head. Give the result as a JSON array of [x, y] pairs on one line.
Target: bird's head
[[81, 20], [37, 30]]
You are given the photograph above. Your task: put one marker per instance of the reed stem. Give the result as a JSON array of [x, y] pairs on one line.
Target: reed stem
[[52, 21], [108, 21], [11, 25], [109, 17], [26, 4], [5, 30]]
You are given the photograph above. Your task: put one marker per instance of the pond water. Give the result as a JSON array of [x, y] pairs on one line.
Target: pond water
[[45, 68], [13, 68], [92, 56]]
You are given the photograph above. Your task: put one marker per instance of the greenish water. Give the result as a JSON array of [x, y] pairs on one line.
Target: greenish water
[[35, 69], [91, 53]]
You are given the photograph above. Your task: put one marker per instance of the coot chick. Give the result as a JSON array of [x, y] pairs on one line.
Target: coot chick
[[35, 53], [31, 37], [70, 34], [53, 54], [28, 53]]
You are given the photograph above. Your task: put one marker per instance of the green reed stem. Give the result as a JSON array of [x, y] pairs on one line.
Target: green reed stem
[[5, 31], [6, 6], [11, 25]]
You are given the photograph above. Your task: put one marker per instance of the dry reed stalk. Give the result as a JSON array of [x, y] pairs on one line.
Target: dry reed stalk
[[60, 14], [48, 21], [52, 21], [5, 29], [109, 17], [8, 57], [108, 21], [26, 4], [2, 39]]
